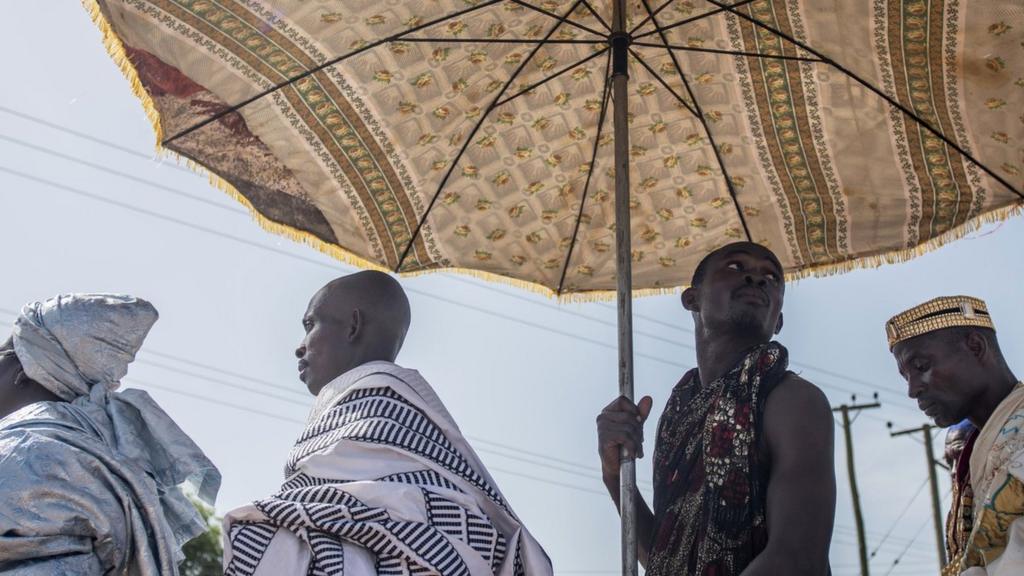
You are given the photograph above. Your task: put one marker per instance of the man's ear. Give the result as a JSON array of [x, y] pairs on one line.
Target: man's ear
[[356, 326], [977, 344], [778, 325], [689, 299]]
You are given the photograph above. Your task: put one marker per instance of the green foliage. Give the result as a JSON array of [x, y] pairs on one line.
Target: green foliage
[[203, 554]]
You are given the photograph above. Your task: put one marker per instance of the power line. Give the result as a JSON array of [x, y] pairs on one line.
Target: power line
[[123, 149], [89, 137], [592, 469], [279, 417], [297, 421], [248, 389], [911, 543], [475, 439], [900, 517], [260, 246], [556, 467], [912, 540], [120, 174], [240, 376], [826, 371], [218, 233]]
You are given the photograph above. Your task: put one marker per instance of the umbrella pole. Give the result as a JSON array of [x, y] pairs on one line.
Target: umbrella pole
[[624, 274]]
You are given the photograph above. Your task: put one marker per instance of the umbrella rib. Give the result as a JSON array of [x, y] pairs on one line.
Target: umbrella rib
[[590, 173], [540, 83], [692, 19], [730, 52], [561, 19], [662, 82], [327, 64], [949, 142], [498, 41], [596, 15], [650, 16], [704, 123], [476, 128]]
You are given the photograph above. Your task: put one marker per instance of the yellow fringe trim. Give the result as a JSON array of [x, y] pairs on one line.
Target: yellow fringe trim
[[906, 254], [115, 48], [117, 52]]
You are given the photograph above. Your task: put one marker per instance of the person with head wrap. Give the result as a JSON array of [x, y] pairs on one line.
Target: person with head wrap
[[90, 477], [947, 351]]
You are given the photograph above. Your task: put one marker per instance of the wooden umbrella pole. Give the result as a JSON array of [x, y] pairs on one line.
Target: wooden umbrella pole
[[624, 273]]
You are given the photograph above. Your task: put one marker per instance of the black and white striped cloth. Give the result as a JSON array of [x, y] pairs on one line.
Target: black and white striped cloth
[[440, 514]]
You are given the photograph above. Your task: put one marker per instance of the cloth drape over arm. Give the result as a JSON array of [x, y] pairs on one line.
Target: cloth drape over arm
[[382, 481]]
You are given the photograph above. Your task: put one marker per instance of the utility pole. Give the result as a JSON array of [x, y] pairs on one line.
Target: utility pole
[[845, 410], [926, 429]]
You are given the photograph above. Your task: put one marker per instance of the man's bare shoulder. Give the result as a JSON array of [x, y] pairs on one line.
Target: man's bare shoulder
[[798, 423], [797, 393], [796, 399]]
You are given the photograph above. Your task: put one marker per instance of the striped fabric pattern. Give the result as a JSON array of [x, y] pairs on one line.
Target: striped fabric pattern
[[381, 416], [322, 515], [381, 481], [249, 541], [464, 525]]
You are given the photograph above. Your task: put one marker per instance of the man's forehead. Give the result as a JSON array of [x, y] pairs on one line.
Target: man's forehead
[[317, 302], [904, 351], [752, 250]]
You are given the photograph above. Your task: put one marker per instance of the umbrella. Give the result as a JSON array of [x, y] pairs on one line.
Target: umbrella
[[474, 135]]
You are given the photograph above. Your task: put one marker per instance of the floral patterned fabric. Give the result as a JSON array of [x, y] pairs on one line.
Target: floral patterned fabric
[[995, 544], [710, 477], [465, 143]]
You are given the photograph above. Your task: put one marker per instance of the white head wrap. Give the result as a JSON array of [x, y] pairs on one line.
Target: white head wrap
[[78, 346], [71, 343]]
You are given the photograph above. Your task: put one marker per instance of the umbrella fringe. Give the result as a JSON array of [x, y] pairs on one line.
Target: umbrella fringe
[[117, 52], [906, 254], [115, 48]]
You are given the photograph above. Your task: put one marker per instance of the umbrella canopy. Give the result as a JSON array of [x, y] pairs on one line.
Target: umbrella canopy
[[417, 135]]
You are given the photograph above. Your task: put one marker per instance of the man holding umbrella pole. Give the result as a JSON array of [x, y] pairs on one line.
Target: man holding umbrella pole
[[743, 460]]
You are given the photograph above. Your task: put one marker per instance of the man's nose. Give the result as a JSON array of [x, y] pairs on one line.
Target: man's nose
[[758, 281], [914, 388], [300, 351]]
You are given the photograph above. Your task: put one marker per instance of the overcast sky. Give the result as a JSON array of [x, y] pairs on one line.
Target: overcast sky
[[84, 206]]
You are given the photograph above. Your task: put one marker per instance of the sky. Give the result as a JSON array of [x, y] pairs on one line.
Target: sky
[[85, 205]]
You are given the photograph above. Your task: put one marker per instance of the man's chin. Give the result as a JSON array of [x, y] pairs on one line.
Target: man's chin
[[747, 320]]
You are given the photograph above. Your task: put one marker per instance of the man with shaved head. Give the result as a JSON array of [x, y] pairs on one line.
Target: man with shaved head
[[743, 461], [381, 481]]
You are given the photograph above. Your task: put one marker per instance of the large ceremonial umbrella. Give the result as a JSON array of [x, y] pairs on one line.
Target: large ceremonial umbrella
[[418, 135]]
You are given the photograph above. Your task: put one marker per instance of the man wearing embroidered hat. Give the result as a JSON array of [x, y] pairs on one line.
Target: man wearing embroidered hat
[[947, 351], [90, 477]]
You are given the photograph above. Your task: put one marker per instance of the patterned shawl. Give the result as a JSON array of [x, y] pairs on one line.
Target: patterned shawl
[[710, 482], [995, 546], [382, 481]]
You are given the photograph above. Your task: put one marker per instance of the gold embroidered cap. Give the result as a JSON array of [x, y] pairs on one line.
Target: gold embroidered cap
[[938, 314]]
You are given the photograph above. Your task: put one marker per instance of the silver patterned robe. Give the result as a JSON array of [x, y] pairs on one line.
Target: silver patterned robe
[[93, 484]]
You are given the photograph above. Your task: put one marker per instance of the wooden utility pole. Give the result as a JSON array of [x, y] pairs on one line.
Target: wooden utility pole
[[845, 410], [926, 429]]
